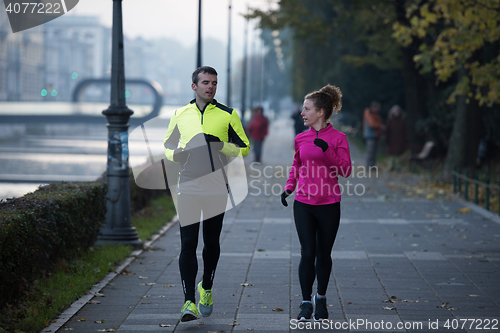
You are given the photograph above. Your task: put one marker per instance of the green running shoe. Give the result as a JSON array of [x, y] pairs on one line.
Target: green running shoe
[[205, 305], [189, 312]]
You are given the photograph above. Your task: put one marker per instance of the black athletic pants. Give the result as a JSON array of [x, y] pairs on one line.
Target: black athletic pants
[[189, 208], [317, 227]]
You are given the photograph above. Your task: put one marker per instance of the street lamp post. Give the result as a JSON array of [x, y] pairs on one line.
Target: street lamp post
[[229, 58], [118, 228], [244, 74], [198, 62]]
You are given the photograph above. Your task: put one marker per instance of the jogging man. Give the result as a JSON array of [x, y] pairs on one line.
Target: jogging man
[[202, 137]]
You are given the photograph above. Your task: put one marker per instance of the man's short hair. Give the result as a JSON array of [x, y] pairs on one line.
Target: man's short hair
[[202, 69]]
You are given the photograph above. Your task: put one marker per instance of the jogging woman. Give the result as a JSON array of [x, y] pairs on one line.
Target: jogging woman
[[321, 155]]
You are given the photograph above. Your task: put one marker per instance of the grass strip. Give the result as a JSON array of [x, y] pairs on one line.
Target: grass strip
[[51, 295], [151, 219]]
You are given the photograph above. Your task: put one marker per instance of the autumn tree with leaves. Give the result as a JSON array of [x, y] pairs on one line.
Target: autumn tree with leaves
[[438, 58], [458, 42]]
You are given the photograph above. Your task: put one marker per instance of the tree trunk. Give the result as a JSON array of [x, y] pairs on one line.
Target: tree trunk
[[414, 95], [455, 154], [467, 131], [413, 82], [474, 132]]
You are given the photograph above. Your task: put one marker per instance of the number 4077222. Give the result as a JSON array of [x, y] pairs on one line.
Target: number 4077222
[[34, 8]]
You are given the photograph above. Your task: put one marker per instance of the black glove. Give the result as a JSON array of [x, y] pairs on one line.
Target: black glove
[[321, 143], [214, 141], [284, 195], [180, 155]]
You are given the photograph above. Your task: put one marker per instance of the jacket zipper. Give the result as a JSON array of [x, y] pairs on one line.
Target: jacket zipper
[[208, 143]]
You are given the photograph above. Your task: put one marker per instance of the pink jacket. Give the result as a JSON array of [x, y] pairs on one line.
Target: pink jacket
[[314, 173]]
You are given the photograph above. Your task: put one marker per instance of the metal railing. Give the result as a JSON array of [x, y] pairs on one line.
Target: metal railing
[[476, 179]]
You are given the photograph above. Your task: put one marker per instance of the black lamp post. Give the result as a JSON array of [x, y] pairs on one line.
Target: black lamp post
[[229, 58], [118, 228], [244, 74], [198, 62]]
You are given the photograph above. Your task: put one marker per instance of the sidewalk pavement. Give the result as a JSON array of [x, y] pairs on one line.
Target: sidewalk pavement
[[400, 264]]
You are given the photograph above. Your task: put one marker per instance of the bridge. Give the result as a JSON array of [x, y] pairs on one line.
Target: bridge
[[154, 86]]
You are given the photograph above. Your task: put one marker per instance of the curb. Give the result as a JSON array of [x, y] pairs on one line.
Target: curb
[[480, 210], [80, 303]]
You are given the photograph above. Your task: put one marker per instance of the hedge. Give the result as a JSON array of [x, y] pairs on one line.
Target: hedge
[[37, 230]]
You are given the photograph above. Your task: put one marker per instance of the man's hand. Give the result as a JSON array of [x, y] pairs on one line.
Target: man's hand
[[284, 195], [321, 143], [180, 155]]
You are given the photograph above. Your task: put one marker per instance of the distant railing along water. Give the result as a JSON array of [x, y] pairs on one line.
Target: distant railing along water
[[68, 108]]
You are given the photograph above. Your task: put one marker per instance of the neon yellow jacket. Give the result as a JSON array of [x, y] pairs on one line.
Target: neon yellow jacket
[[186, 130]]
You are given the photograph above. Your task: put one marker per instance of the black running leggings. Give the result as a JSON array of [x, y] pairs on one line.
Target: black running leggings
[[317, 227], [212, 227]]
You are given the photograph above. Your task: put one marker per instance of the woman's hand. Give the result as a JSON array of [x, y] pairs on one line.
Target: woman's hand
[[321, 143], [284, 195]]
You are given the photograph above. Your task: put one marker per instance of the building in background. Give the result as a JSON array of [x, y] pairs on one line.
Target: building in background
[[75, 47], [45, 63], [21, 62]]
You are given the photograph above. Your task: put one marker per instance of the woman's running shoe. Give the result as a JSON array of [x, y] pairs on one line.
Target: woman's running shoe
[[320, 310], [306, 311]]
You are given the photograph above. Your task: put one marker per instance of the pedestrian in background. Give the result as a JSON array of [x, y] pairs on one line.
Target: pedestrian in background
[[321, 155], [201, 136], [373, 126], [298, 122], [396, 137], [257, 129]]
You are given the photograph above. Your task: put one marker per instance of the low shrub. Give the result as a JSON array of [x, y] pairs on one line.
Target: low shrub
[[41, 228]]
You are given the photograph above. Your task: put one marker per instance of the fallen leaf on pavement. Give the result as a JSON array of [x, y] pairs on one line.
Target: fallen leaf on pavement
[[83, 319], [278, 309], [446, 306], [464, 210], [143, 277], [472, 295], [165, 325], [168, 285], [99, 321], [246, 284], [389, 308], [147, 284], [99, 295]]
